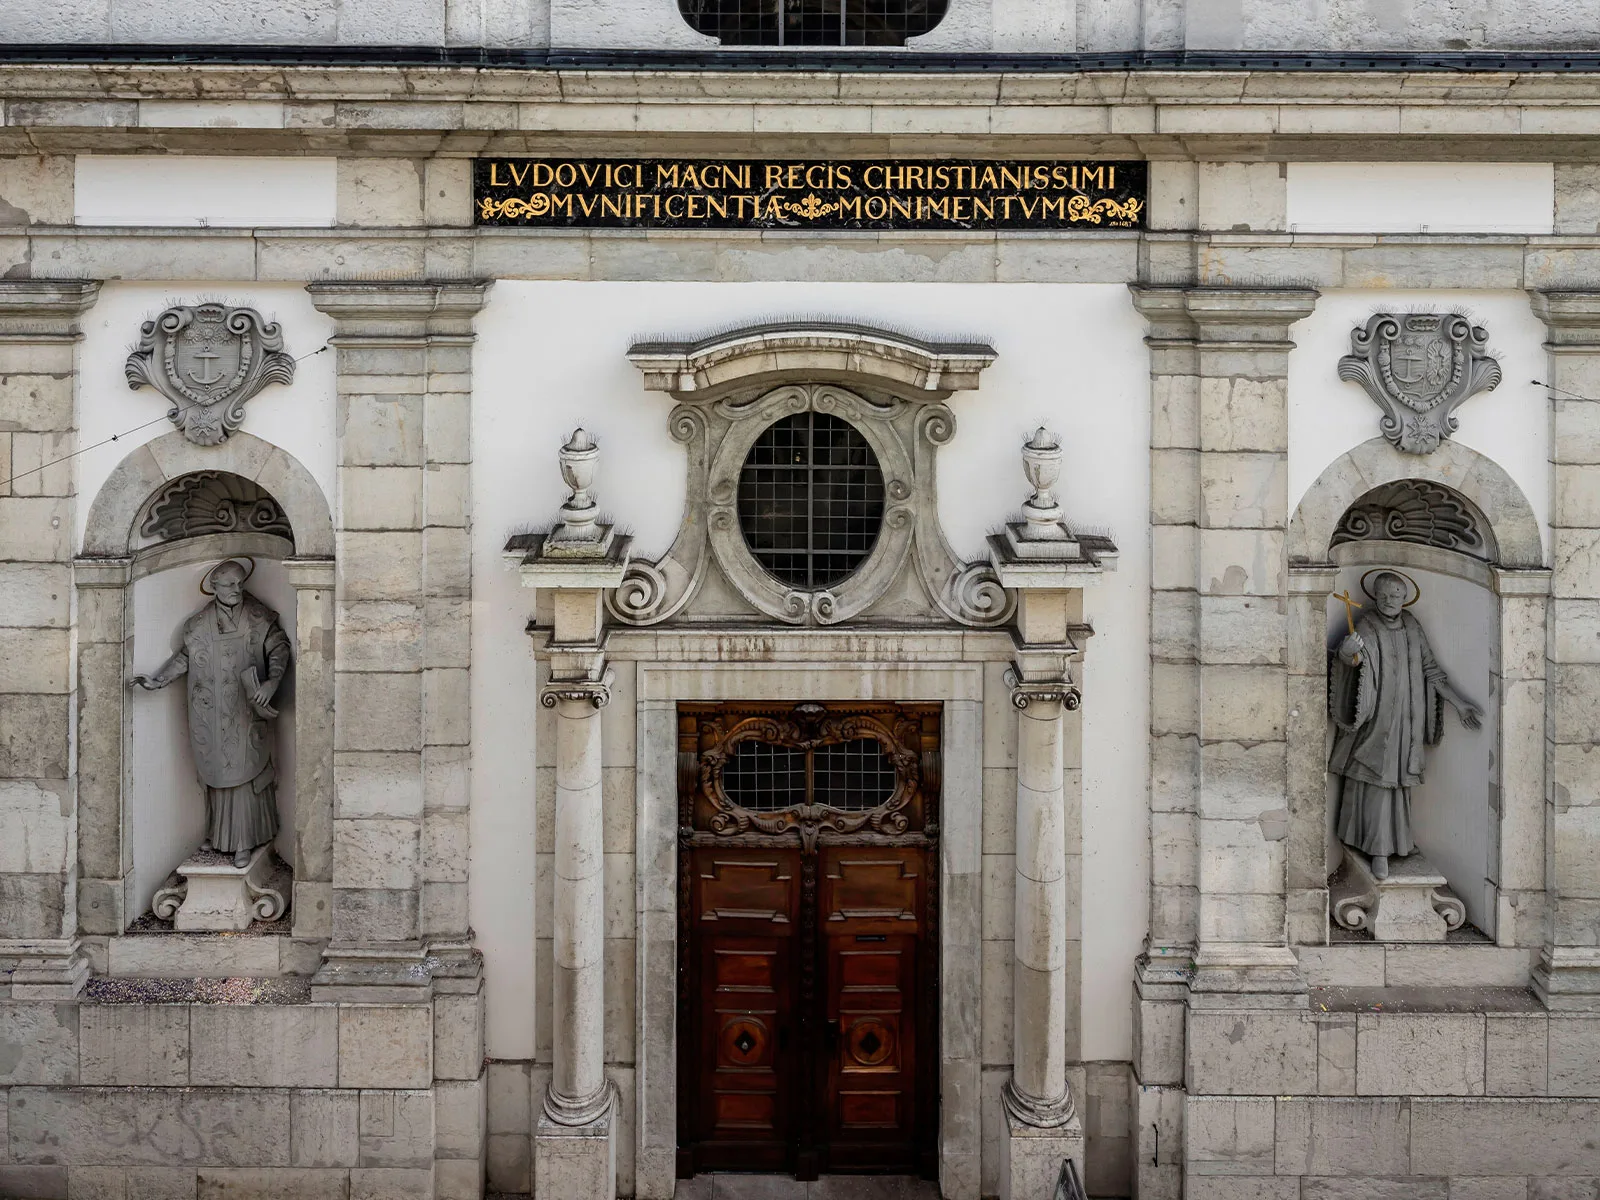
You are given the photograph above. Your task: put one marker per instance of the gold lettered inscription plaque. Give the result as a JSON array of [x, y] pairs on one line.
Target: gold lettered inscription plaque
[[868, 194]]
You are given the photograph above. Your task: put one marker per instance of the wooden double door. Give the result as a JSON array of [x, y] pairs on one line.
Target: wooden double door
[[808, 958]]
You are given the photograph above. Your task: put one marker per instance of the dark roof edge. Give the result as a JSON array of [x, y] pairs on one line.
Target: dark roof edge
[[808, 61]]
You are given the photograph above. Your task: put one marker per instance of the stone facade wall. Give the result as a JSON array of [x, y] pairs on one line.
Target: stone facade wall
[[348, 1057]]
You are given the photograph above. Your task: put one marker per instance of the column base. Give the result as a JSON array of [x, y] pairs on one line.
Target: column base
[[576, 1160], [46, 969], [398, 973], [1031, 1157], [1568, 978], [1269, 975]]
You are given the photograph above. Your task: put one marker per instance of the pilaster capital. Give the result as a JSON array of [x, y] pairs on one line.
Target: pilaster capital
[[404, 310], [596, 693], [44, 310], [102, 572], [1255, 316], [310, 573], [1571, 317]]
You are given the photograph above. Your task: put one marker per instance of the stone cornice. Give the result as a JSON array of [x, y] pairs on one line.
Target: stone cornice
[[44, 309], [399, 309], [462, 110]]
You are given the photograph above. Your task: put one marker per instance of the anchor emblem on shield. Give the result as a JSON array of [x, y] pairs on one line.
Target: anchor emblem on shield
[[208, 359], [1418, 367]]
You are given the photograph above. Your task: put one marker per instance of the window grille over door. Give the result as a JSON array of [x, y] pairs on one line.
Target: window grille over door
[[813, 22]]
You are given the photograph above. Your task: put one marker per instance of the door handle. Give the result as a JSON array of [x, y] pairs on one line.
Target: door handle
[[833, 1033]]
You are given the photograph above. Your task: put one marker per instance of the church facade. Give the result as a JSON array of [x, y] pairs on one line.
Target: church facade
[[989, 596]]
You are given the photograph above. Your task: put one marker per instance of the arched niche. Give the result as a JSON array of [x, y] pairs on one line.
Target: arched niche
[[1456, 523], [168, 511]]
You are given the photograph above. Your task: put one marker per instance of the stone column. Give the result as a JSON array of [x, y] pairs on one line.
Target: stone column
[[578, 1089], [1048, 567], [1568, 976], [39, 332], [402, 628], [575, 1136]]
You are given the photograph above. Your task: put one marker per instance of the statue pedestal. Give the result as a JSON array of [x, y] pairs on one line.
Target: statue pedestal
[[1414, 904], [208, 894]]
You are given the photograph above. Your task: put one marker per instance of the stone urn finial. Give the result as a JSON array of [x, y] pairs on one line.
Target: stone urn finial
[[1041, 463], [578, 459]]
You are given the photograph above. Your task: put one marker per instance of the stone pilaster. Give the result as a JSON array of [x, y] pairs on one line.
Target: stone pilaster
[[1569, 973], [402, 625], [39, 868], [577, 562], [1237, 419]]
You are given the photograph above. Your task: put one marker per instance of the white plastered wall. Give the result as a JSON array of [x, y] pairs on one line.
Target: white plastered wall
[[551, 356], [1510, 425]]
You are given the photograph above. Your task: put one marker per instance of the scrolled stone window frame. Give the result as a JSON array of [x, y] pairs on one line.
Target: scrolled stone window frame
[[732, 387]]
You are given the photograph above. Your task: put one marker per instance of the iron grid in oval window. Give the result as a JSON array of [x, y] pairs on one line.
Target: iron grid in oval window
[[811, 500], [853, 776], [813, 22]]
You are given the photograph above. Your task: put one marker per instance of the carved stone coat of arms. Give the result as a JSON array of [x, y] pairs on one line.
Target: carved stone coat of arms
[[1418, 367], [208, 359]]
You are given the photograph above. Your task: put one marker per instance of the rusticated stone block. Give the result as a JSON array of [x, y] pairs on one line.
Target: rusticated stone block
[[323, 1126], [261, 1045], [134, 1044], [1507, 1137], [33, 736], [273, 1183], [1343, 1137], [1574, 1055], [1427, 1054], [149, 1126], [1402, 1187], [1516, 1056], [391, 1183], [385, 1045], [459, 1118], [374, 914], [34, 1183], [38, 1041], [1226, 1135], [1257, 1052], [396, 1129], [458, 1036], [458, 1179]]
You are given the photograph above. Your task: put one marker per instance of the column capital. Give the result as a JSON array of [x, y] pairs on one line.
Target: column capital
[[406, 310], [44, 309], [1027, 693], [595, 693]]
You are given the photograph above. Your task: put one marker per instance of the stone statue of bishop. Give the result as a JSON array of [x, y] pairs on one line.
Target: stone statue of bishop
[[235, 654], [1385, 695]]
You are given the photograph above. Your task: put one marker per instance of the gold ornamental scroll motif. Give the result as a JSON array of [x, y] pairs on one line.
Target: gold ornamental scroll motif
[[866, 194]]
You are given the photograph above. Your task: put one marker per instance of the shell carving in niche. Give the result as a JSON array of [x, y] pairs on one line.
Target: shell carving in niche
[[1411, 510], [213, 502]]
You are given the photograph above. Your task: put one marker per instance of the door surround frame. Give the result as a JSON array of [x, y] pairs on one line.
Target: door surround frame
[[959, 686]]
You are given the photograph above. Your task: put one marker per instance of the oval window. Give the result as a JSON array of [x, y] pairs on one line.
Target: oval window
[[813, 22], [811, 500]]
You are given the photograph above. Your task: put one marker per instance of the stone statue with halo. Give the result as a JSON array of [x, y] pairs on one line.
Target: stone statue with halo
[[1386, 693], [235, 654]]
